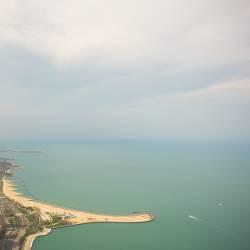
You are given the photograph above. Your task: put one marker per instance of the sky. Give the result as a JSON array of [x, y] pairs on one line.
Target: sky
[[115, 69]]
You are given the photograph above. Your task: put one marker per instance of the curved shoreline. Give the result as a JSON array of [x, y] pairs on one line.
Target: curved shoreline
[[28, 243], [74, 216]]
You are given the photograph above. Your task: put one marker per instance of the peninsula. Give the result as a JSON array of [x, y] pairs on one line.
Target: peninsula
[[38, 218]]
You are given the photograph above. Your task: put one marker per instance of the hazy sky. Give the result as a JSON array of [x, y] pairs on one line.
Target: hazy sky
[[125, 69]]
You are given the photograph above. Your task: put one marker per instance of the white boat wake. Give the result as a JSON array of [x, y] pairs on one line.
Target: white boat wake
[[216, 227], [195, 218]]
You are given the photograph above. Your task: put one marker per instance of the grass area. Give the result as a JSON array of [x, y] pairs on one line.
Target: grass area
[[61, 224], [56, 219], [31, 218], [25, 210]]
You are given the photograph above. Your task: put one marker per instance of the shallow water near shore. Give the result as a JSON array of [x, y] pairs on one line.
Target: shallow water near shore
[[176, 181]]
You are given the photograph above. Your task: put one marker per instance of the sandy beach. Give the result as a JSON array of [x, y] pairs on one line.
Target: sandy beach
[[30, 239], [73, 216]]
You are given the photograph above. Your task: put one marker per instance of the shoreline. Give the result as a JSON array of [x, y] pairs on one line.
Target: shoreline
[[28, 242], [71, 217]]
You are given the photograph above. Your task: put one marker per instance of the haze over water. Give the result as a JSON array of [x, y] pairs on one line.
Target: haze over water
[[173, 180]]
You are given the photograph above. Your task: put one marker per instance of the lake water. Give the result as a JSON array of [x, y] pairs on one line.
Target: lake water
[[173, 180]]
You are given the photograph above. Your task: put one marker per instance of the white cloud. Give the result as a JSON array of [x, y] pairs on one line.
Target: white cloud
[[10, 96], [185, 33], [133, 50], [217, 112]]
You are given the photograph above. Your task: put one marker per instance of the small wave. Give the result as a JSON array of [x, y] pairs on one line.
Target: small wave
[[194, 218]]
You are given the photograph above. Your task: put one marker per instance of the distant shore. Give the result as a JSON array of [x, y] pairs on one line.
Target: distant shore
[[21, 151]]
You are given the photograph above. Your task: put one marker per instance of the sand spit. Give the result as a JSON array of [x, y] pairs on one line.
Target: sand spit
[[73, 216]]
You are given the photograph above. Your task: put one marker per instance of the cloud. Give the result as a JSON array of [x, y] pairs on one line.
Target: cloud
[[217, 112], [125, 69], [182, 33]]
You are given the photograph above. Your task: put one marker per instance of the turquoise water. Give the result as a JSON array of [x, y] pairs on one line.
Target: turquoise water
[[170, 179]]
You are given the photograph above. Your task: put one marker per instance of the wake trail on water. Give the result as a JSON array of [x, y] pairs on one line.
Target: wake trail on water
[[216, 227], [194, 218]]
